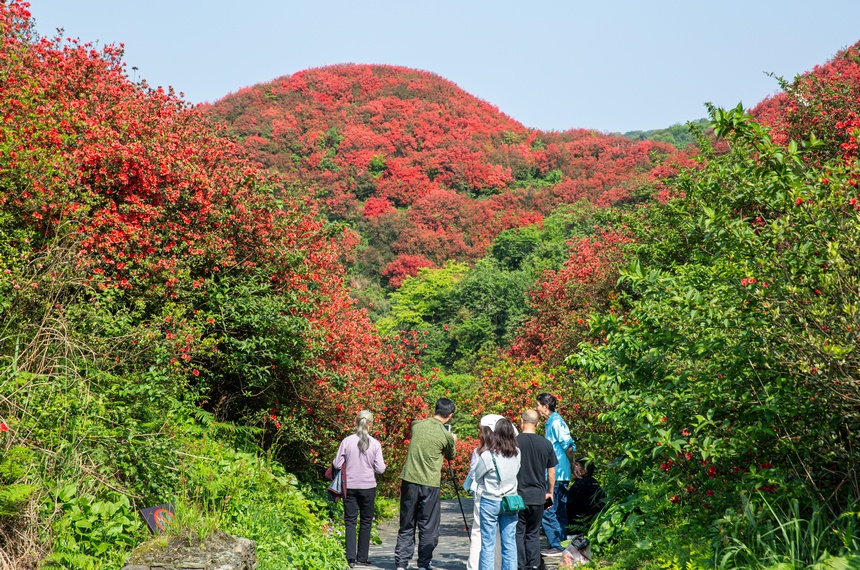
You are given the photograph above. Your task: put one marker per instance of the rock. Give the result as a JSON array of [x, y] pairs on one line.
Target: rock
[[218, 551]]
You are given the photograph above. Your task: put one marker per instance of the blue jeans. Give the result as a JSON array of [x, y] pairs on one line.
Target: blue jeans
[[555, 517], [491, 516]]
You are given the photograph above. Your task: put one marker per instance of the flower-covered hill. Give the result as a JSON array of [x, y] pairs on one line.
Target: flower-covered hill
[[427, 171]]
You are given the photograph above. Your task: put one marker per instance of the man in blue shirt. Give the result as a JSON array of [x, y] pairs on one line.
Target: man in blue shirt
[[556, 431]]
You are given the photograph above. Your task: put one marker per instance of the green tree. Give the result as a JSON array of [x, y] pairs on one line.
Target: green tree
[[734, 372]]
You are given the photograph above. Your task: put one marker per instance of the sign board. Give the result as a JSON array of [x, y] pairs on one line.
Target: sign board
[[158, 517]]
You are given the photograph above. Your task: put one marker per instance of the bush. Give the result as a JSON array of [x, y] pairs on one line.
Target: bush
[[729, 375]]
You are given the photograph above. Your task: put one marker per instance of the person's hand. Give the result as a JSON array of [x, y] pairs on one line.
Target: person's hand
[[454, 435]]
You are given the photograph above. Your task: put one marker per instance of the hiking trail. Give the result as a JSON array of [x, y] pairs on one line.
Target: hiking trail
[[451, 553]]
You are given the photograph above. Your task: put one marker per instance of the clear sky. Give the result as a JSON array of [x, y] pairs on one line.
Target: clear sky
[[610, 65]]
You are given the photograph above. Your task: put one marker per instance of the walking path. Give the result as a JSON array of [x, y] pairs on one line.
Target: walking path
[[452, 550]]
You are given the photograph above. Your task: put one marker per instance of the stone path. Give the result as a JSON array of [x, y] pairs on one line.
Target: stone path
[[452, 550]]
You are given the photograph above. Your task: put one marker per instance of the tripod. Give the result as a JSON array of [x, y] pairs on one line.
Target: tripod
[[457, 493]]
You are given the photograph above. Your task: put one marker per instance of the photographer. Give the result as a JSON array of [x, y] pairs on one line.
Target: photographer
[[419, 488]]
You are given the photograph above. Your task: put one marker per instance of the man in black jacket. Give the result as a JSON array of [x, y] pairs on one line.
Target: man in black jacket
[[585, 498]]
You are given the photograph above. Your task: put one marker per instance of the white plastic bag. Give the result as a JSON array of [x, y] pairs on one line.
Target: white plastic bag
[[573, 556]]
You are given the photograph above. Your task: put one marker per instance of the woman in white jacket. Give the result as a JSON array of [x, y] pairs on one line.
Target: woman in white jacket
[[486, 425], [495, 474]]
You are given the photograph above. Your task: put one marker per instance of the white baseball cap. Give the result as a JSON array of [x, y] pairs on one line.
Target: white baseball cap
[[490, 421]]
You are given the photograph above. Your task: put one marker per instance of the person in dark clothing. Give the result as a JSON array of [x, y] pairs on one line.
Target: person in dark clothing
[[535, 483], [585, 498]]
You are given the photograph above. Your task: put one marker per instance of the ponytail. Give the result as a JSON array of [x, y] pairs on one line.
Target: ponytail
[[364, 418]]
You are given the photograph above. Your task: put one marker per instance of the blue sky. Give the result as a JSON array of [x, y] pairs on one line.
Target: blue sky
[[553, 65]]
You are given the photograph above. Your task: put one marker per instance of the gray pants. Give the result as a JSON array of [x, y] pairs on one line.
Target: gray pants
[[419, 509]]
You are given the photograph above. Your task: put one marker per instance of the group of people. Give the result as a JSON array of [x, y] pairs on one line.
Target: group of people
[[507, 461]]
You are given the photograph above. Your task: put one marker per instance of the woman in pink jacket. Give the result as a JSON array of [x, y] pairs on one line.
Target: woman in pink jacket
[[360, 457]]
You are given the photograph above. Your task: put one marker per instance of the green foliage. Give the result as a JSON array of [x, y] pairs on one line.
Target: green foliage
[[565, 223], [465, 313], [727, 377], [14, 465], [91, 532], [251, 496], [511, 247], [677, 135], [461, 312], [422, 298], [110, 434], [767, 535], [377, 165]]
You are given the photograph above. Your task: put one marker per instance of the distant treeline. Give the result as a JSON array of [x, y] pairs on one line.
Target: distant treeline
[[678, 135]]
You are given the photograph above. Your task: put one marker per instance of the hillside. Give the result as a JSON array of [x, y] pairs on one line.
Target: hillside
[[426, 171], [164, 311]]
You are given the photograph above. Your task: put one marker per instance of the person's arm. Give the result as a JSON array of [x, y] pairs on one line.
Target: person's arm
[[340, 457], [480, 470], [450, 445], [566, 441], [473, 461], [378, 462], [551, 481], [469, 482]]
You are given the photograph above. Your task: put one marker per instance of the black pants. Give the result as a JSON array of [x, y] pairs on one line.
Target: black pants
[[419, 509], [358, 501], [528, 537]]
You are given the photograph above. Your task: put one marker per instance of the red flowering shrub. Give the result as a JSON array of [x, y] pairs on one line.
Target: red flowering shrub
[[127, 220], [565, 299], [460, 464], [814, 103], [404, 266], [375, 207]]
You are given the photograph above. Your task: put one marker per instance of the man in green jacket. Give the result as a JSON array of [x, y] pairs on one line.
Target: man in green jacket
[[419, 488]]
